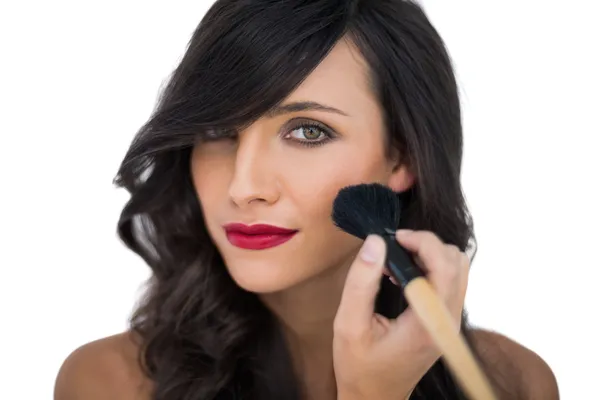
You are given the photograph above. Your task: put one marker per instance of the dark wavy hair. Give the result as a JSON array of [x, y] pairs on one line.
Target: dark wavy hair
[[202, 336]]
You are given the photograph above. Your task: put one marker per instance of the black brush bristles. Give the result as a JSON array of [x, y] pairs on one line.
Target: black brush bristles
[[372, 208], [363, 209]]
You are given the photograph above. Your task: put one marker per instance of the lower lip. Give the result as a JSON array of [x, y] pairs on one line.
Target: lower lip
[[258, 242]]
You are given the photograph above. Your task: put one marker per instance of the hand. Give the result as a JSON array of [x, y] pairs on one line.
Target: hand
[[378, 358]]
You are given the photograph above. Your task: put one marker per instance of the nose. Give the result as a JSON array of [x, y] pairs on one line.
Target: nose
[[254, 180]]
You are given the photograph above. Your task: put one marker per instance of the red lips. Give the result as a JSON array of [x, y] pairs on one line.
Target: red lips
[[257, 237]]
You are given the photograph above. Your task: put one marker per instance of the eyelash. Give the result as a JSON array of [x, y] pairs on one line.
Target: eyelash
[[329, 136], [322, 128]]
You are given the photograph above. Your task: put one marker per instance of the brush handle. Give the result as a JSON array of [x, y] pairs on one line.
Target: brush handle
[[400, 263], [438, 322]]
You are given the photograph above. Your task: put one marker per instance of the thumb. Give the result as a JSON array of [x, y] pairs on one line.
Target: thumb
[[355, 312]]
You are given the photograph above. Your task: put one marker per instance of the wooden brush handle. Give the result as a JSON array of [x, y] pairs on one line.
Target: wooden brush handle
[[438, 322]]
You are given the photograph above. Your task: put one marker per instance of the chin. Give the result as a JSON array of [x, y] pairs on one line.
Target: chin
[[263, 284], [264, 277]]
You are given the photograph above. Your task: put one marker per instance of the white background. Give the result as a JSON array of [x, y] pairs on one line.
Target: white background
[[78, 78]]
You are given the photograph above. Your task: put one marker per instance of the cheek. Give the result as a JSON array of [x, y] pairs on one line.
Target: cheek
[[313, 189], [210, 176]]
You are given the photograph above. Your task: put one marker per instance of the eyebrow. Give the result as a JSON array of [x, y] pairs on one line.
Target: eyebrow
[[302, 106]]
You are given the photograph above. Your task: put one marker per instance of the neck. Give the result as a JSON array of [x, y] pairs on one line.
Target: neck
[[306, 313]]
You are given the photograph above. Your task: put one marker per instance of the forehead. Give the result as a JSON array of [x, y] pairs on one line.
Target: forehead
[[341, 80]]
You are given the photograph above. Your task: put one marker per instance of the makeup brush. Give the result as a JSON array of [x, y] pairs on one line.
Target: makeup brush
[[365, 209]]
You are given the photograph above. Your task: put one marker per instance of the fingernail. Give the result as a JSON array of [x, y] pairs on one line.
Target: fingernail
[[403, 232], [369, 252]]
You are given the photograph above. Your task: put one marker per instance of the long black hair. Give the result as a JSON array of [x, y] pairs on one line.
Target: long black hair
[[202, 336]]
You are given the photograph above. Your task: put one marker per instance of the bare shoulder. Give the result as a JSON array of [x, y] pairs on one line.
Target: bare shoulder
[[101, 370], [522, 373]]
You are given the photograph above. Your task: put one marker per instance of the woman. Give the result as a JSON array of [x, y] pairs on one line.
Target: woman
[[275, 106]]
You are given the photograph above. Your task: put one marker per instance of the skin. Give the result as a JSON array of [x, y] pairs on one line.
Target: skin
[[315, 283], [266, 175]]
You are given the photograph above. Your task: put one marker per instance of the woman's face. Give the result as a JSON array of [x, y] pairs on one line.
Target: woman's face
[[286, 169]]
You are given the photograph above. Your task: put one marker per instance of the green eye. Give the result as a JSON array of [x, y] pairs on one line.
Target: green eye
[[309, 134]]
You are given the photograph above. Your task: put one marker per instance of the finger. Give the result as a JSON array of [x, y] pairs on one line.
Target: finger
[[356, 308], [419, 262], [460, 262], [416, 260], [419, 242], [446, 265], [425, 246]]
